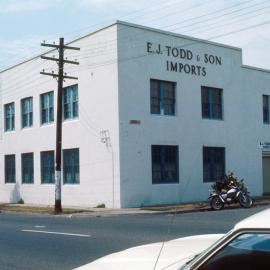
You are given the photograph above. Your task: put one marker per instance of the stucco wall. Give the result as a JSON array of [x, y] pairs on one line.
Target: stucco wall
[[98, 109], [240, 132]]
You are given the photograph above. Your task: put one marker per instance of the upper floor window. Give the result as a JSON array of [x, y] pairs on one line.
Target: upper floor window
[[9, 111], [266, 107], [162, 97], [27, 112], [10, 169], [71, 170], [164, 164], [211, 103], [70, 102], [46, 108], [213, 163]]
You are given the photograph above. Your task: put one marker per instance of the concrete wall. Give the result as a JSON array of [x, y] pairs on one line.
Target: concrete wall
[[98, 109], [240, 132]]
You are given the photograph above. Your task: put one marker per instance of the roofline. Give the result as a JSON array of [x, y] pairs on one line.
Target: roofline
[[164, 32], [108, 25], [256, 68], [68, 43]]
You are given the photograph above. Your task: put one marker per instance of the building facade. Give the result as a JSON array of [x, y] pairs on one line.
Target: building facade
[[154, 118]]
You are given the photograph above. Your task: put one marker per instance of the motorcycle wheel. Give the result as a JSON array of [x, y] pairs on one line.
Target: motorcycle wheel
[[245, 200], [216, 203]]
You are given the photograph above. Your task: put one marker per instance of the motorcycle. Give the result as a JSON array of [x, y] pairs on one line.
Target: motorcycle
[[229, 192]]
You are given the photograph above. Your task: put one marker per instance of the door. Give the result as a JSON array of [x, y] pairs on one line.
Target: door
[[266, 175]]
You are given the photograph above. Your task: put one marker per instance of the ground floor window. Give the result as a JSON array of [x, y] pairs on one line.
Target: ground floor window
[[213, 163], [47, 167], [28, 168], [10, 169], [71, 166], [165, 164]]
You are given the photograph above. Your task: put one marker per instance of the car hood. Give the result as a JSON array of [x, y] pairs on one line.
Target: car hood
[[174, 254]]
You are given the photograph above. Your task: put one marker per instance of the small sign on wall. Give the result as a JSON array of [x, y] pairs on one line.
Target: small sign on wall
[[265, 145]]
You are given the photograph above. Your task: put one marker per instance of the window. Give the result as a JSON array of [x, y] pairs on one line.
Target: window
[[47, 111], [162, 97], [213, 163], [9, 116], [71, 166], [164, 164], [211, 103], [247, 251], [47, 167], [28, 168], [266, 113], [70, 100], [10, 171], [27, 112]]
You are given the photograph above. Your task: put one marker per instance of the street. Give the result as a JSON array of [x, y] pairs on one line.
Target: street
[[29, 241]]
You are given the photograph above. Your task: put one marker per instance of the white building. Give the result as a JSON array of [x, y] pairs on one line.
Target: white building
[[178, 112]]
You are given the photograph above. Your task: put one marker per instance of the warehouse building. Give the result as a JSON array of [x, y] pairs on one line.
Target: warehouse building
[[154, 118]]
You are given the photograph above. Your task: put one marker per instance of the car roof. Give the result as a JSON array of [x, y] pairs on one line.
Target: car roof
[[260, 220]]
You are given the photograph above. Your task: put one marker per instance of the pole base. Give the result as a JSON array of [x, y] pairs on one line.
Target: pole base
[[57, 207]]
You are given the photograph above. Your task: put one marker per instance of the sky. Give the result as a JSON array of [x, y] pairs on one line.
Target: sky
[[24, 24]]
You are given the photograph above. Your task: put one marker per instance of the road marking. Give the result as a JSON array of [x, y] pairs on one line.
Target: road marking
[[59, 233], [38, 226]]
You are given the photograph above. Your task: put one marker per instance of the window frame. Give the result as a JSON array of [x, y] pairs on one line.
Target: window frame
[[22, 168], [71, 105], [29, 113], [210, 103], [5, 169], [52, 181], [197, 262], [162, 98], [11, 118], [73, 182], [47, 108], [211, 163], [163, 163]]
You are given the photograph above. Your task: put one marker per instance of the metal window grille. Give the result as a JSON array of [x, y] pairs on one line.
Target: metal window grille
[[164, 164], [213, 163]]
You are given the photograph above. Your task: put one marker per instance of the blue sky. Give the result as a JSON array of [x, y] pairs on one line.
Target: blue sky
[[25, 23]]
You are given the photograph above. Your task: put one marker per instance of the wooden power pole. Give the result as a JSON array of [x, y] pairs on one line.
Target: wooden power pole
[[60, 77]]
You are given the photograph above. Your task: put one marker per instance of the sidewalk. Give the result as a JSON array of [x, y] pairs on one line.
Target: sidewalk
[[92, 211]]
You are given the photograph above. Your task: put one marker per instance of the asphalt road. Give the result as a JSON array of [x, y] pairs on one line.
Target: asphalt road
[[74, 241]]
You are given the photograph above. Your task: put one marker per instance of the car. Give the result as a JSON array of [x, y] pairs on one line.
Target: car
[[246, 246]]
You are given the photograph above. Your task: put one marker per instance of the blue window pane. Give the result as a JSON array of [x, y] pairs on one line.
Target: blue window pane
[[47, 108], [27, 112], [70, 102], [28, 168], [47, 167], [10, 169], [71, 169], [9, 112], [162, 97]]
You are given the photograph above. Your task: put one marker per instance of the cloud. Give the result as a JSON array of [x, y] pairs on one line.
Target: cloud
[[14, 6]]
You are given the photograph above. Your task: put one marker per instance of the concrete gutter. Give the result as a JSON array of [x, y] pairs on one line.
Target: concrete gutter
[[97, 212]]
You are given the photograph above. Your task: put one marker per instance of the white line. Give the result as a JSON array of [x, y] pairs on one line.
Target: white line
[[60, 233], [38, 226]]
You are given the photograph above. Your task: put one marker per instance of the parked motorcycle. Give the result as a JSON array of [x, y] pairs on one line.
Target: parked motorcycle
[[229, 191]]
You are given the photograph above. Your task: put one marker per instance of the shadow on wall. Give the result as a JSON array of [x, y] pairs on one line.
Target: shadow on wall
[[15, 195]]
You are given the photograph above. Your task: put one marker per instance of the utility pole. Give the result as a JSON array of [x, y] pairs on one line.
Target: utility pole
[[60, 77]]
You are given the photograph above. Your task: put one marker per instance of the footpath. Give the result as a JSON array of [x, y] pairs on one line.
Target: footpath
[[98, 211]]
